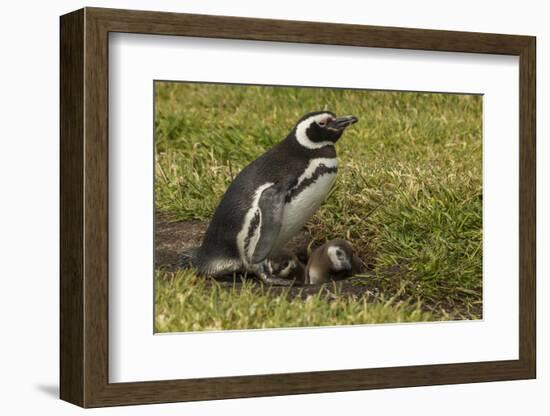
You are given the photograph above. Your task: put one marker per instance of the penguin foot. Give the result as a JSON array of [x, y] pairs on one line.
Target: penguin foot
[[263, 273], [271, 280]]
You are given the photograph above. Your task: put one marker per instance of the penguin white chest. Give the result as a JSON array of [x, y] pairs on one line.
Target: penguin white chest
[[306, 197], [304, 205]]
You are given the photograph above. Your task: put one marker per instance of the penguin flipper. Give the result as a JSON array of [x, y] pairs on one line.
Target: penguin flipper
[[271, 205]]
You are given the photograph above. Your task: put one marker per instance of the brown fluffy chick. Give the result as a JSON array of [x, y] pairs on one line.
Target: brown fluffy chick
[[333, 260]]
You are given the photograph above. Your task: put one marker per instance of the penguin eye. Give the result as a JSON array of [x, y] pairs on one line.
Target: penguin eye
[[340, 254], [322, 123]]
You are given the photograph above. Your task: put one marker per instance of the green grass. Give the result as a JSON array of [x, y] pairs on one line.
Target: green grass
[[408, 193], [187, 303]]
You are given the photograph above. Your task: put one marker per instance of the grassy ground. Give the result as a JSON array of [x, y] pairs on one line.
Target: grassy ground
[[408, 195], [189, 303]]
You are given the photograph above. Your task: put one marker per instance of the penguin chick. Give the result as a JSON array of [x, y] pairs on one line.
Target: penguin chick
[[285, 265], [271, 199], [334, 259]]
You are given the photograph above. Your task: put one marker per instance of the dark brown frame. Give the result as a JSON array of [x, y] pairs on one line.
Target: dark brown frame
[[84, 209]]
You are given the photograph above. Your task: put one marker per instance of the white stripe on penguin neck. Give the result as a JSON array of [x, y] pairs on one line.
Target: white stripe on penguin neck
[[313, 165], [301, 135]]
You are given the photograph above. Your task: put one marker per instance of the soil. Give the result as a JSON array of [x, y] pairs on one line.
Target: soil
[[172, 238]]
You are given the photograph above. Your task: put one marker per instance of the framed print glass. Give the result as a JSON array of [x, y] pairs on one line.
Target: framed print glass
[[258, 207]]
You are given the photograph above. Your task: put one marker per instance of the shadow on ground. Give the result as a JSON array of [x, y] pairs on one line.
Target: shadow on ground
[[51, 390]]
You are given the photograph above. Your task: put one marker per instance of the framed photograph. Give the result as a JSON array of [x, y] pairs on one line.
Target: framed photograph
[[255, 207]]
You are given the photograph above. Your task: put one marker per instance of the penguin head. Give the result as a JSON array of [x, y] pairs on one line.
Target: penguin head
[[321, 128], [281, 267], [286, 265], [340, 254]]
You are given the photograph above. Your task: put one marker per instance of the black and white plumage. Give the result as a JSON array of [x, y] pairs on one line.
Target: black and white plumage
[[286, 265], [271, 199]]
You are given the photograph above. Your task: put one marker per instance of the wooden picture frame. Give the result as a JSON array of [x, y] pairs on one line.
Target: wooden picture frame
[[84, 207]]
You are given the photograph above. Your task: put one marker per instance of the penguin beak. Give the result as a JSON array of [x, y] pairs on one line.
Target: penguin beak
[[341, 123], [346, 265]]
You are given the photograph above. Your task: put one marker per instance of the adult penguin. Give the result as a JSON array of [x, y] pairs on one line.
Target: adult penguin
[[271, 199]]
